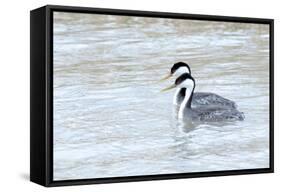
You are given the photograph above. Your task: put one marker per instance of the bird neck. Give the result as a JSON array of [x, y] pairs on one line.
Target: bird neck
[[186, 102], [180, 92]]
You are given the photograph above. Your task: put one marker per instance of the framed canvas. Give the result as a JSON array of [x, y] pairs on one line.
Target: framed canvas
[[123, 95]]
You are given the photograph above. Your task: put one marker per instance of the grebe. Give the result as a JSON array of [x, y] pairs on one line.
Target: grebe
[[199, 98]]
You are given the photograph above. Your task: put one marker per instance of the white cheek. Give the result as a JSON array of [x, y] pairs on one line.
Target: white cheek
[[188, 84], [181, 71]]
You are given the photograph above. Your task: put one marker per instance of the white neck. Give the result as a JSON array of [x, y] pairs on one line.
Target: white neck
[[189, 85], [184, 103]]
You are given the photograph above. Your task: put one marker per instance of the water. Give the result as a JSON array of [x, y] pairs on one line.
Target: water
[[110, 118]]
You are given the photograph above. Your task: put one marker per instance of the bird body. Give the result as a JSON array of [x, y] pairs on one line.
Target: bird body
[[203, 98]]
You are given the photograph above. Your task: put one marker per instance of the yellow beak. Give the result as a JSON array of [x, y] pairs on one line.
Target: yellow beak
[[166, 77], [168, 88]]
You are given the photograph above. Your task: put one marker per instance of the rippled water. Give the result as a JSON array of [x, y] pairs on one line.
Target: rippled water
[[109, 117]]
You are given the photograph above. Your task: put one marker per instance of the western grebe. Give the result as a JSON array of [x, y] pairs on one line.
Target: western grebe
[[204, 112], [199, 98]]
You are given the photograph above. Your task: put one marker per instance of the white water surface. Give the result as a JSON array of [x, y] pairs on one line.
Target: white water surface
[[110, 119]]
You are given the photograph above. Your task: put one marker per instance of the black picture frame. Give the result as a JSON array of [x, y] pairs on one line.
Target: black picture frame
[[41, 94]]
